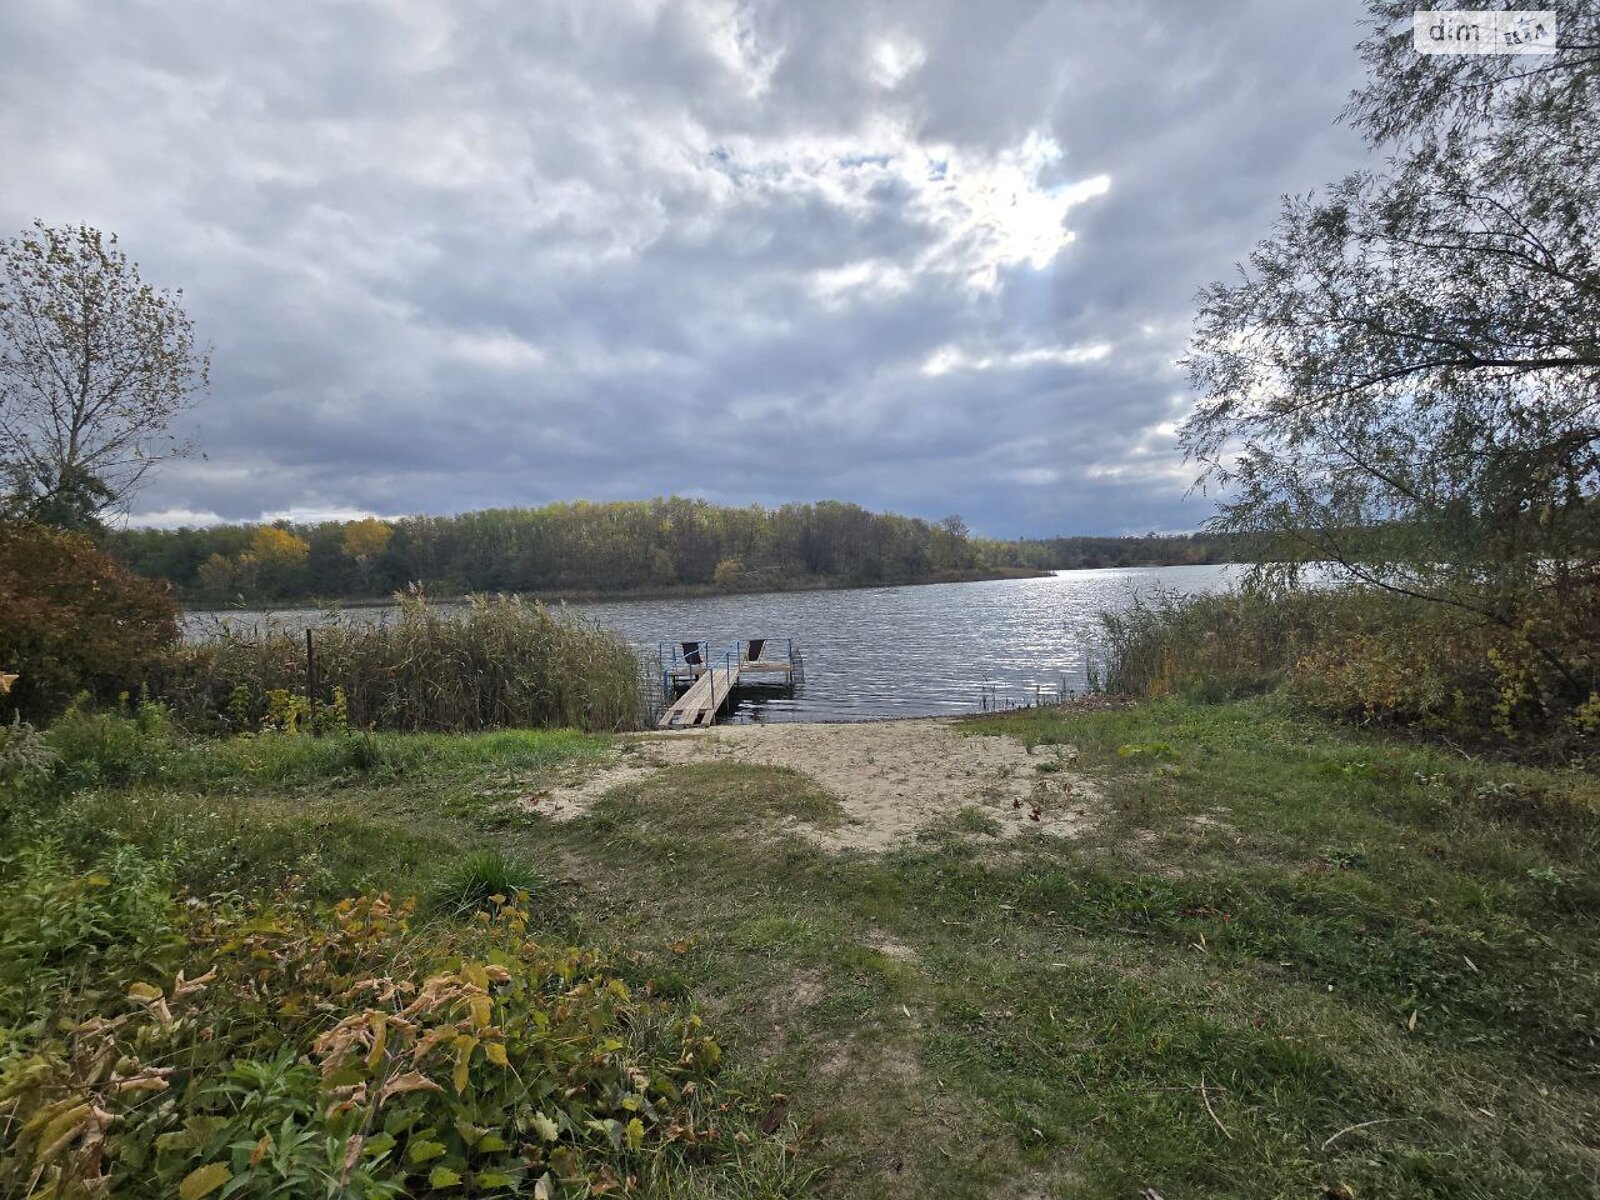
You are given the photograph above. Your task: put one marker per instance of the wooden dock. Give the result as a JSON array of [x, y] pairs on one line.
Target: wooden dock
[[711, 681]]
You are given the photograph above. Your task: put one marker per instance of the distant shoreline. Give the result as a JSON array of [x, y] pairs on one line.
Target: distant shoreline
[[681, 591], [672, 592]]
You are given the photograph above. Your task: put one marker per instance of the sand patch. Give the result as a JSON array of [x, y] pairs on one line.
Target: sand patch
[[888, 945], [892, 778]]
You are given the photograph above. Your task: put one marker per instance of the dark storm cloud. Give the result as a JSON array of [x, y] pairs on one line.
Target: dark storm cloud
[[925, 256]]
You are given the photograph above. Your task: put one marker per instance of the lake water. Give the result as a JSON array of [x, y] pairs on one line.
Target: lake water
[[930, 650]]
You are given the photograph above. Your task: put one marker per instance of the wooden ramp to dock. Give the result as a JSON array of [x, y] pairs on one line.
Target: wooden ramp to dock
[[703, 701], [712, 680]]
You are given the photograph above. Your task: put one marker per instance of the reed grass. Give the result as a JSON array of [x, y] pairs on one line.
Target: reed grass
[[492, 663], [1372, 657], [1213, 647]]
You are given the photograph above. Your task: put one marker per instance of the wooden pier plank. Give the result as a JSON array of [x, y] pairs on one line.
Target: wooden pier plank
[[701, 703]]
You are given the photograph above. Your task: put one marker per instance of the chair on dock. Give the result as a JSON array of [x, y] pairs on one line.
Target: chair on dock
[[691, 653], [753, 649]]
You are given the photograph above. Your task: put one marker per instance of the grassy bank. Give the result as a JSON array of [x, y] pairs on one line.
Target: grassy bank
[[1281, 959]]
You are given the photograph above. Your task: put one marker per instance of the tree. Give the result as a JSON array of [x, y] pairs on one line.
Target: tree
[[276, 561], [72, 619], [1405, 378], [94, 365], [365, 541], [215, 579]]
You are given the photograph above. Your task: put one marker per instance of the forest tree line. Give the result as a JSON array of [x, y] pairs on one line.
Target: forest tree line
[[1089, 553], [605, 548]]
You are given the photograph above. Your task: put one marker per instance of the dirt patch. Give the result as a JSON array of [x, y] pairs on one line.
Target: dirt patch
[[888, 945], [893, 778], [575, 793], [784, 1010]]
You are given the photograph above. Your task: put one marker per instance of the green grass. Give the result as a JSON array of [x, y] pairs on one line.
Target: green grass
[[483, 879], [1283, 960]]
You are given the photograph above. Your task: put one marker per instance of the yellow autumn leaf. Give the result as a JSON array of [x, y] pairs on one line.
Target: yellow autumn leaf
[[635, 1134], [49, 1113], [482, 1007], [495, 1052], [380, 1040], [144, 991], [60, 1131], [202, 1181], [465, 1045]]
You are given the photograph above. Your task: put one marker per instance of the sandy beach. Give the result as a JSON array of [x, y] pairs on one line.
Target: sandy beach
[[892, 778]]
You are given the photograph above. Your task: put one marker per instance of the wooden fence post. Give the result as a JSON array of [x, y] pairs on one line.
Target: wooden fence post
[[311, 684]]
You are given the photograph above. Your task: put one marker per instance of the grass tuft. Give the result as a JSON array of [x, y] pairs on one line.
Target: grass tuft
[[484, 879]]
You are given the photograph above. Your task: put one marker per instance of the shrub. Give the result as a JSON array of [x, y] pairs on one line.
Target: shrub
[[95, 746], [341, 1052], [72, 620], [1365, 655], [492, 663], [24, 753]]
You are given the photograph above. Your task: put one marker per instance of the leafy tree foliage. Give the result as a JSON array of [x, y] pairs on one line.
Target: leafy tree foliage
[[617, 547], [1091, 553], [1405, 377], [73, 619], [578, 547], [275, 562], [94, 365], [365, 541]]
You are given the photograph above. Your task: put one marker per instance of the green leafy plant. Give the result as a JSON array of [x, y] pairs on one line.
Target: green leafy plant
[[272, 1049], [112, 745]]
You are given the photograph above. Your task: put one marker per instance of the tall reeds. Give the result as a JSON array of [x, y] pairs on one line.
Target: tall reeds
[[1371, 656], [494, 662], [1218, 646]]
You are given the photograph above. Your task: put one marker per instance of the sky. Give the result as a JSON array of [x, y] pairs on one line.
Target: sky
[[937, 256]]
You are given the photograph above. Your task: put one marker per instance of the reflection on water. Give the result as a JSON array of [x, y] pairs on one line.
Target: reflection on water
[[894, 652]]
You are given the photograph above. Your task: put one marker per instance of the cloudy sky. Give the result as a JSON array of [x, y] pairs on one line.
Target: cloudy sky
[[934, 256]]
